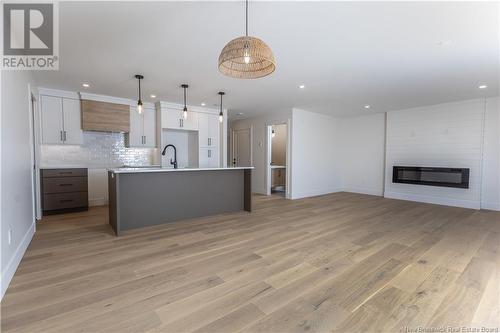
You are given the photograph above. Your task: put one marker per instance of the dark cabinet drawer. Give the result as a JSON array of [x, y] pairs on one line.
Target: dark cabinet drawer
[[47, 173], [64, 184], [65, 200]]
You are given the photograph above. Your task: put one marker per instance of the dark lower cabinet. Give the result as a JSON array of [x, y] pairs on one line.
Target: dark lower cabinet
[[64, 190]]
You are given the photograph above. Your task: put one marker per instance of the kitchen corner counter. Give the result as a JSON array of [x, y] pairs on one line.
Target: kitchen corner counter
[[140, 197]]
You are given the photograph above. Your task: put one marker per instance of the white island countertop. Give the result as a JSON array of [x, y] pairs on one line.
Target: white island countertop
[[166, 169]]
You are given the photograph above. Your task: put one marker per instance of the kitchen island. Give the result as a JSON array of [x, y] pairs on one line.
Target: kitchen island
[[140, 197]]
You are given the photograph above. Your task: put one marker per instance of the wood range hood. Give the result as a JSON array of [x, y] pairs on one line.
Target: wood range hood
[[105, 117]]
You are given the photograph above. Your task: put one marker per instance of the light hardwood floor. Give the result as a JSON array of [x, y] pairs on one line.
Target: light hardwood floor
[[342, 262]]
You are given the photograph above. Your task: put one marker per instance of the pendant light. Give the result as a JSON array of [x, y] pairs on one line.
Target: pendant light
[[139, 77], [185, 110], [221, 115], [246, 57]]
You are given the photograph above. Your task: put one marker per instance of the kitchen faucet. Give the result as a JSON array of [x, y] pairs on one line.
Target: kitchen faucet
[[174, 162]]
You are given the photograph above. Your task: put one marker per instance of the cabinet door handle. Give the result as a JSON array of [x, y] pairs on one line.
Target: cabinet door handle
[[64, 135], [65, 184], [182, 122], [209, 153], [61, 135], [65, 200], [144, 139]]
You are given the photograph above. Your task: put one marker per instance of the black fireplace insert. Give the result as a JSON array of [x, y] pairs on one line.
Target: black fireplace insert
[[433, 176]]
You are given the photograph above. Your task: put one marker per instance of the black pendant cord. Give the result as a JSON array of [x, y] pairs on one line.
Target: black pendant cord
[[185, 107], [140, 99], [139, 77], [246, 18], [221, 93]]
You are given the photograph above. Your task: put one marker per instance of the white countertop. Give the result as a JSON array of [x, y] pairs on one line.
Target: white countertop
[[143, 170]]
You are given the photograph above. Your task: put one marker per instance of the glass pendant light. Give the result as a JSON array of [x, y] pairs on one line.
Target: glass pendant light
[[139, 77], [185, 110], [221, 115]]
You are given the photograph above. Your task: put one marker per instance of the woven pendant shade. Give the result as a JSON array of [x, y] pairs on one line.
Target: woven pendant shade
[[232, 58]]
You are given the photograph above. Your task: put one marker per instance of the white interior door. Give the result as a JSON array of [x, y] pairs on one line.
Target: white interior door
[[242, 148]]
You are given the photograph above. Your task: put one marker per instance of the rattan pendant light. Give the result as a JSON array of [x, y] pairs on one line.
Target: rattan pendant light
[[246, 57]]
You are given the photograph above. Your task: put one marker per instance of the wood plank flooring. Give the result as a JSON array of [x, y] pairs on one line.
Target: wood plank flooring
[[337, 263]]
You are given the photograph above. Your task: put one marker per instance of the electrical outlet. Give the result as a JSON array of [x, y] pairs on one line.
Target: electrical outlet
[[9, 236]]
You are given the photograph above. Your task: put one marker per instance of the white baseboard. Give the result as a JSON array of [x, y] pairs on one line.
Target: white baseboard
[[11, 267], [313, 193], [490, 206], [98, 202], [434, 200], [368, 191]]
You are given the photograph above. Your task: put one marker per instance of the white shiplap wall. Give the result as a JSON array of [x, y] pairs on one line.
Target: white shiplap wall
[[444, 135]]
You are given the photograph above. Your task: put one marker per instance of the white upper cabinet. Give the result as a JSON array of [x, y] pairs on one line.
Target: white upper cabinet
[[136, 134], [61, 120], [52, 120], [149, 117], [173, 119], [142, 128], [72, 120], [209, 127]]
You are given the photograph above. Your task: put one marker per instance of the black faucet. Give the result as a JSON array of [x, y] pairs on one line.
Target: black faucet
[[174, 162]]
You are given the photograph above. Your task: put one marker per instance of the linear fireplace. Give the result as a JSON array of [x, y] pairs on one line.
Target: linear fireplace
[[433, 176]]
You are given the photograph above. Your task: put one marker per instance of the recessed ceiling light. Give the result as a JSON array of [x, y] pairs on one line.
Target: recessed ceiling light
[[86, 85], [367, 106], [152, 96], [203, 104], [302, 86], [240, 113], [483, 86]]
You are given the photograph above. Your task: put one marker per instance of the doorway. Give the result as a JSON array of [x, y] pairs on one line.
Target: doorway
[[242, 147], [277, 160]]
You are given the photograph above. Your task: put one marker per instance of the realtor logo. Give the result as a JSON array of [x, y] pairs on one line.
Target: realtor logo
[[30, 36]]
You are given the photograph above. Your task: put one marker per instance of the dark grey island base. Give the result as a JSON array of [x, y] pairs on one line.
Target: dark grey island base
[[146, 197]]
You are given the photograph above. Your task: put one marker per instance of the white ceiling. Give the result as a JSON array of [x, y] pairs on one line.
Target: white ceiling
[[347, 54]]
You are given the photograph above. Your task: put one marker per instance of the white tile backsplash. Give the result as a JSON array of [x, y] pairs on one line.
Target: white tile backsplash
[[99, 150]]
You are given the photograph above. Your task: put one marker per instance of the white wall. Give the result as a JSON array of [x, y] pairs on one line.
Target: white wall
[[362, 140], [259, 143], [490, 197], [446, 135], [17, 215], [315, 154]]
